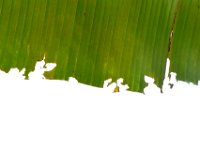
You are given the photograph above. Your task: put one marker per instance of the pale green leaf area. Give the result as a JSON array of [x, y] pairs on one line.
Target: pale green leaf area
[[93, 40]]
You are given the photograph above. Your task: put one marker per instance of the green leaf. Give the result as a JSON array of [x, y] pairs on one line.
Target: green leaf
[[185, 52], [91, 40]]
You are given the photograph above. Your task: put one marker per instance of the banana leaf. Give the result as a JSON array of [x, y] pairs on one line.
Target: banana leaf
[[91, 40], [185, 49]]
